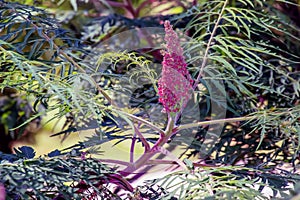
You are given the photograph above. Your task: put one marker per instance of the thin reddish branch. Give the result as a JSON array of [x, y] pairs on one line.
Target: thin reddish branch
[[115, 4], [143, 140], [130, 8], [141, 6], [208, 46], [161, 162], [170, 155], [119, 181], [133, 140], [118, 162], [147, 156], [172, 162]]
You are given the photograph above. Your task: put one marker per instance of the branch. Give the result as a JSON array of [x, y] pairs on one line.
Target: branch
[[161, 162], [144, 141], [205, 57], [119, 162], [216, 121], [172, 162], [164, 137], [115, 4], [133, 140], [170, 155], [147, 123], [130, 8]]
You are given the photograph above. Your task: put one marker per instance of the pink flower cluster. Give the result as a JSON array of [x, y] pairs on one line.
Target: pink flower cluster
[[175, 85]]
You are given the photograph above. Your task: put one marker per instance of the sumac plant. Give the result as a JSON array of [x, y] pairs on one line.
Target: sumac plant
[[241, 56]]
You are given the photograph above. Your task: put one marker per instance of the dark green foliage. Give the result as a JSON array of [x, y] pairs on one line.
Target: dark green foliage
[[33, 33], [224, 183], [25, 152], [67, 177]]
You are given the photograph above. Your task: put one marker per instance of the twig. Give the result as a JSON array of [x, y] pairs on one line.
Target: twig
[[205, 57], [133, 140], [143, 140], [147, 123], [119, 162], [216, 121], [147, 156]]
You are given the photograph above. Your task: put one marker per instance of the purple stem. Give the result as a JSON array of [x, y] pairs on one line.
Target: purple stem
[[115, 4], [119, 162], [141, 6], [133, 140], [162, 162], [147, 156], [130, 8], [143, 140]]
